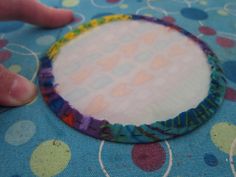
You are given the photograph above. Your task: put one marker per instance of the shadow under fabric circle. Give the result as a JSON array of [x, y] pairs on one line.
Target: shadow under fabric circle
[[181, 124]]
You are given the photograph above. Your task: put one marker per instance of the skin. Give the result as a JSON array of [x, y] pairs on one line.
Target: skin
[[16, 90]]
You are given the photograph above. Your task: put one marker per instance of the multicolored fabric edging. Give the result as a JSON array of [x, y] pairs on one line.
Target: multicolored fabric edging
[[158, 131]]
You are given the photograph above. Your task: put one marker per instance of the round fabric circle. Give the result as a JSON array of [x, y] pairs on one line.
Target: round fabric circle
[[207, 30], [149, 157], [125, 91], [50, 158], [4, 55], [194, 14], [20, 132], [45, 40], [210, 159]]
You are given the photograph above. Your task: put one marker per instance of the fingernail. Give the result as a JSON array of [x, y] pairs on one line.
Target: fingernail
[[22, 91]]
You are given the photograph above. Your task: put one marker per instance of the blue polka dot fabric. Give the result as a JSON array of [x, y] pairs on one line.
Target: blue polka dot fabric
[[34, 142]]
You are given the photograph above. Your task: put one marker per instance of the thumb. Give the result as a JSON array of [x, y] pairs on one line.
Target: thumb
[[15, 90]]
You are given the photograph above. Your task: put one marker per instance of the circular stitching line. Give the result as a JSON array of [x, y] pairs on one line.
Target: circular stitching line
[[157, 131]]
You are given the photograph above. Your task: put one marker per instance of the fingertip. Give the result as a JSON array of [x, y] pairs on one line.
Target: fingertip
[[15, 90], [21, 92], [68, 17], [61, 17], [39, 14]]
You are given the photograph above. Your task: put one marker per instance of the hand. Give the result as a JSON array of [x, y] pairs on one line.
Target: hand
[[15, 90]]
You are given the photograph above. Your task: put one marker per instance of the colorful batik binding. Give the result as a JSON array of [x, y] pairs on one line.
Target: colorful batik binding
[[161, 130]]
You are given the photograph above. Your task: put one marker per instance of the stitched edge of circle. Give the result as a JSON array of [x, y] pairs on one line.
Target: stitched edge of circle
[[184, 123]]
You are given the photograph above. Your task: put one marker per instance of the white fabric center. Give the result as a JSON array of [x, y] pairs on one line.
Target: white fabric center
[[132, 72]]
